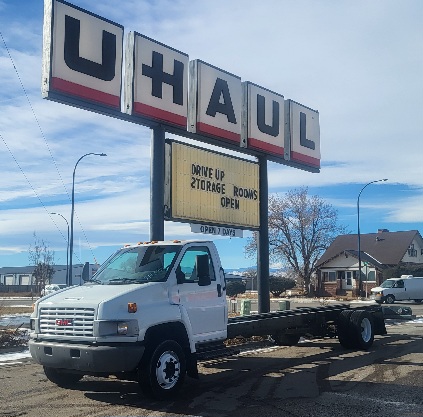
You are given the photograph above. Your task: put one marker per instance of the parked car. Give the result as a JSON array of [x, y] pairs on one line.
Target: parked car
[[50, 288]]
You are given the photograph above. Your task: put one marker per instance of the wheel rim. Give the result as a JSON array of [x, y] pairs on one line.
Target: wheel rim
[[168, 370], [366, 330]]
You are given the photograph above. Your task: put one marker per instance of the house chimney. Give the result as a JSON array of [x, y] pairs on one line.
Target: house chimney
[[382, 230]]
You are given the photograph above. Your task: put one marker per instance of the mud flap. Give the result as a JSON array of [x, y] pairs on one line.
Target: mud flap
[[379, 322], [192, 369]]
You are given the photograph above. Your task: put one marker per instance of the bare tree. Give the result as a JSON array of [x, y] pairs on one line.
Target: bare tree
[[300, 229], [43, 259]]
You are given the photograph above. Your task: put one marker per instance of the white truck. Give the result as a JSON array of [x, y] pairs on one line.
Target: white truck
[[405, 288], [154, 309]]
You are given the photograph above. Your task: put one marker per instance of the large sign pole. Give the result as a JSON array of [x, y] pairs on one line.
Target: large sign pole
[[263, 242], [157, 171]]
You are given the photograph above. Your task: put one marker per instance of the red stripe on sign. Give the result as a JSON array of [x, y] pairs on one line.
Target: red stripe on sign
[[141, 109], [85, 92], [308, 160], [218, 132], [264, 146]]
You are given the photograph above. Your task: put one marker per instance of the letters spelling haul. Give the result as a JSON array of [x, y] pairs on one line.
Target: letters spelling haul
[[156, 88]]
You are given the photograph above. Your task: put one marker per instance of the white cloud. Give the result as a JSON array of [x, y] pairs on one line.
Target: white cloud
[[359, 63]]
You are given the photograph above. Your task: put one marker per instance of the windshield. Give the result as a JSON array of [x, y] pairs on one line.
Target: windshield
[[137, 265], [389, 283]]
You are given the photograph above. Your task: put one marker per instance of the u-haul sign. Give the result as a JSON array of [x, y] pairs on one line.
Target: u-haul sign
[[82, 66], [208, 187]]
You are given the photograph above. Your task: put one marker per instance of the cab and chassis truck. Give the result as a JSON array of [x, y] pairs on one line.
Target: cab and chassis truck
[[153, 310]]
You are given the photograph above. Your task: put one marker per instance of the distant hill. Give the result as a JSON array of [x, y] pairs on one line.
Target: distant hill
[[240, 271]]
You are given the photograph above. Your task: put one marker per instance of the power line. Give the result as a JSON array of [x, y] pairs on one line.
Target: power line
[[48, 147]]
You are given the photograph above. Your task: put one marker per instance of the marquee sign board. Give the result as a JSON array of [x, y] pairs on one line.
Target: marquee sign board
[[202, 186], [82, 66], [156, 81], [82, 57]]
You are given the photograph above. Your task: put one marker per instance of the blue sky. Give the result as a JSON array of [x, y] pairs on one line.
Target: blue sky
[[359, 63]]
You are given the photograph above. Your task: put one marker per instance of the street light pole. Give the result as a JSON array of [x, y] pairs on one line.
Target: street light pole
[[360, 282], [72, 213], [67, 249]]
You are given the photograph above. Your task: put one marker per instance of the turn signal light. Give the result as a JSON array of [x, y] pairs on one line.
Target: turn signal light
[[132, 307]]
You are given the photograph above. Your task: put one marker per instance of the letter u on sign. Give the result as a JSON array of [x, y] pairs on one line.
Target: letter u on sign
[[82, 62]]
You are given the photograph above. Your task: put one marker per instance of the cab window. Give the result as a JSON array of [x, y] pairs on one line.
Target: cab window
[[187, 271]]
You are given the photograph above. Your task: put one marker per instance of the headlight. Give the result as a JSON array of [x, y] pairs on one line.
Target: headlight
[[116, 328], [122, 328]]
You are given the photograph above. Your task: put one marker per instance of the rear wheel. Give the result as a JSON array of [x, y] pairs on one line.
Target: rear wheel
[[61, 378], [162, 371], [362, 325], [390, 299], [345, 335]]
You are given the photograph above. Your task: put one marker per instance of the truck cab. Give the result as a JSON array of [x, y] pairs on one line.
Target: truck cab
[[142, 296]]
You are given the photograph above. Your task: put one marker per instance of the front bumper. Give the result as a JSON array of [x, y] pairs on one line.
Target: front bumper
[[87, 358]]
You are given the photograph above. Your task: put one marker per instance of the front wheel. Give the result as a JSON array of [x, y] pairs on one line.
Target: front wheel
[[61, 378], [390, 299], [163, 370]]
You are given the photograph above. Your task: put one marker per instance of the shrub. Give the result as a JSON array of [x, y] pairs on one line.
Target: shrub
[[403, 269], [278, 285], [233, 288]]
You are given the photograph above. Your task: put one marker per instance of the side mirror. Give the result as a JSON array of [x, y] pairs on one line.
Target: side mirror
[[203, 273], [86, 272], [180, 276]]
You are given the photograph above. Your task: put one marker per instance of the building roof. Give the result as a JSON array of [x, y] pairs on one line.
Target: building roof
[[388, 248], [23, 270]]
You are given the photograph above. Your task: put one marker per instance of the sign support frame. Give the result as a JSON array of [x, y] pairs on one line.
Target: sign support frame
[[263, 241], [157, 183]]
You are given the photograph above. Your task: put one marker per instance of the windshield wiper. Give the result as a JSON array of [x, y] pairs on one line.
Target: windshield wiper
[[94, 281], [118, 281]]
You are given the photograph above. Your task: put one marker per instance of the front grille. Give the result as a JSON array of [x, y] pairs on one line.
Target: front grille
[[67, 321]]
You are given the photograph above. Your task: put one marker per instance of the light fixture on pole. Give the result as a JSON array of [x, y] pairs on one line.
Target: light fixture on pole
[[72, 213], [360, 281], [67, 249]]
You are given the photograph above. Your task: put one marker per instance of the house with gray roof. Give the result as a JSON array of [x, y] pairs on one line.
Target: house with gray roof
[[337, 269]]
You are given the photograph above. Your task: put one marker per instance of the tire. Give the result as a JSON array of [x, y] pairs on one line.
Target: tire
[[162, 371], [418, 301], [389, 299], [60, 378], [344, 330], [363, 329], [283, 339]]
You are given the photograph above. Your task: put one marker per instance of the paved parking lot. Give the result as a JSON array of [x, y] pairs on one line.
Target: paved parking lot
[[316, 379]]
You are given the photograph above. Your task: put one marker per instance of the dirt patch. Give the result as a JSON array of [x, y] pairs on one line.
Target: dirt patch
[[5, 311]]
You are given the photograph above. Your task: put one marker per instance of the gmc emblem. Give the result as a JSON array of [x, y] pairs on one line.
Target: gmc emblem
[[64, 322]]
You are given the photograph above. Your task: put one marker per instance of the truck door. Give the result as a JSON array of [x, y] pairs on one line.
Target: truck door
[[203, 301]]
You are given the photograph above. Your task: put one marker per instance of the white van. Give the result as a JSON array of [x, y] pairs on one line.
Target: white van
[[397, 289]]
